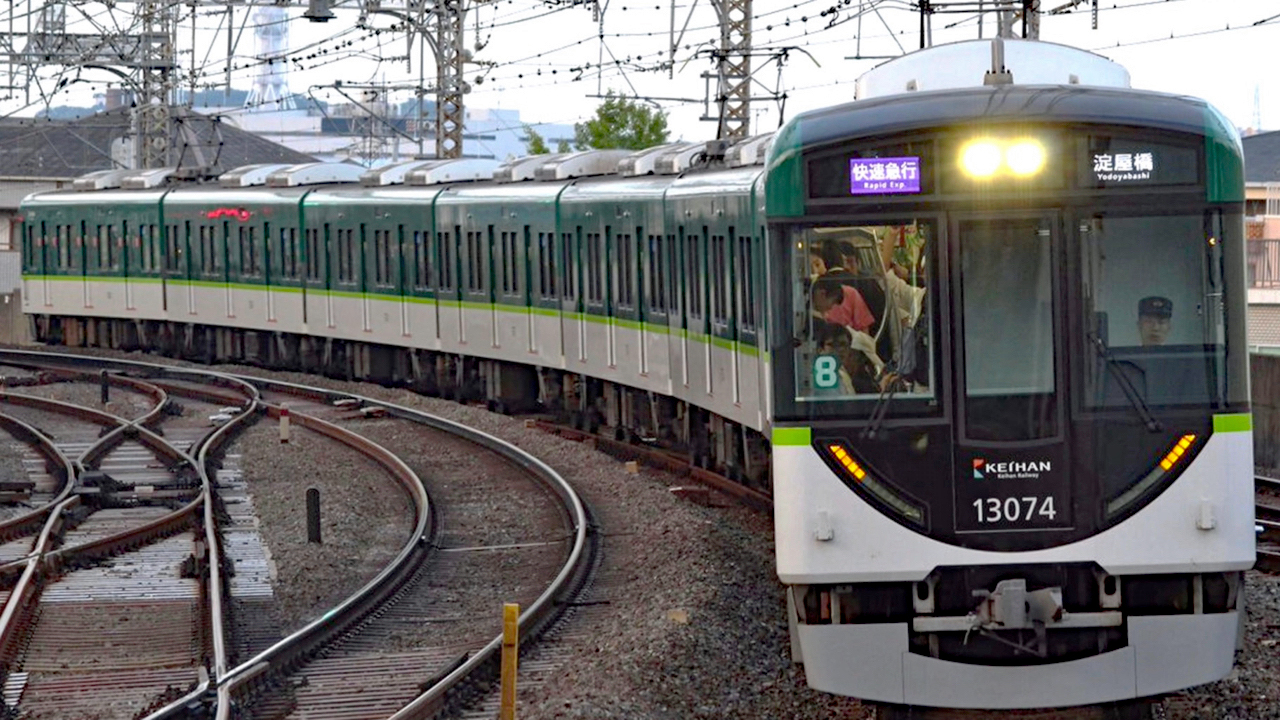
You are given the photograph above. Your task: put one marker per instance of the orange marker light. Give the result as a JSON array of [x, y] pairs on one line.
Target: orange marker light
[[848, 462], [1177, 452]]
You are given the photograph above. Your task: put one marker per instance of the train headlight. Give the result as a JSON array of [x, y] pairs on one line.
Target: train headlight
[[981, 158], [1025, 157]]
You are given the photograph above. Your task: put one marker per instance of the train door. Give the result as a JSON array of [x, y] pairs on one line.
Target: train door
[[656, 302], [194, 261], [572, 304], [635, 250], [402, 282], [607, 271], [329, 256], [130, 260], [732, 288], [682, 258], [272, 269], [491, 283], [85, 246], [525, 271], [366, 312], [701, 301], [61, 237], [1010, 381]]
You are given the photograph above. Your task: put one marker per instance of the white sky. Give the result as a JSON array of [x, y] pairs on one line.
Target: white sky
[[534, 50]]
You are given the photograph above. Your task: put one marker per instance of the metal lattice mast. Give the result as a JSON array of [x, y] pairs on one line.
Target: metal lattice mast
[[734, 69], [450, 85], [155, 62]]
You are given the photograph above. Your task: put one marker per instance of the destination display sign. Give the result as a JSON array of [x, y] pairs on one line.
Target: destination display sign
[[884, 176], [1121, 162]]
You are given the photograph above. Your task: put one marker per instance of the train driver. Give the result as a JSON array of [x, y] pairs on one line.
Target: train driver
[[1155, 316]]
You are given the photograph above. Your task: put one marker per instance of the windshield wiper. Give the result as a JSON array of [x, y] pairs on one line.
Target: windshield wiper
[[1126, 385], [880, 409]]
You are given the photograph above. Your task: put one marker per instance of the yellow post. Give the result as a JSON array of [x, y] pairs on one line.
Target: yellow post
[[510, 655]]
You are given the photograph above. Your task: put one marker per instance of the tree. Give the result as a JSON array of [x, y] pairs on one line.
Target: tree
[[621, 123], [535, 145]]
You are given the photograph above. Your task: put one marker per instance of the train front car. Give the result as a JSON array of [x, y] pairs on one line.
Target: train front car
[[1011, 453]]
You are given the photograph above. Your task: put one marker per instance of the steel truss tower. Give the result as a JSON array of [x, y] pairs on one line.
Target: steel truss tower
[[450, 85], [733, 71]]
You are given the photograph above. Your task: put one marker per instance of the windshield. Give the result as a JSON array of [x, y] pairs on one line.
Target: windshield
[[1006, 283], [1152, 290], [858, 312]]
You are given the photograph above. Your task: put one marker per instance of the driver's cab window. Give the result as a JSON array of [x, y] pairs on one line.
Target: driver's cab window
[[859, 312], [1152, 288]]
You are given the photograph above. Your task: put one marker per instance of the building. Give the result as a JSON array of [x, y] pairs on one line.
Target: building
[[41, 154], [1262, 231], [372, 133]]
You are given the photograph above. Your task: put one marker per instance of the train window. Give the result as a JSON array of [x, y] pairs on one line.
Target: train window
[[858, 311], [746, 249], [1164, 333], [653, 284], [592, 265], [244, 245], [622, 283], [569, 247], [381, 256], [694, 271], [346, 254], [719, 279], [311, 251], [1006, 283], [388, 276], [547, 264], [472, 253], [420, 264], [448, 243], [507, 240], [204, 252], [348, 237]]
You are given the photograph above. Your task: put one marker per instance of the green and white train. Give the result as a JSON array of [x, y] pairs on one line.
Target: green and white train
[[981, 340]]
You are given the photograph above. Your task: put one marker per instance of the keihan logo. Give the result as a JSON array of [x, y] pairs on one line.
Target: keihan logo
[[978, 464]]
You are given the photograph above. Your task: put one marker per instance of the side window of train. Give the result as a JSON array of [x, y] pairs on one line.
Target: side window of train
[[421, 263], [569, 249], [747, 273], [626, 270], [718, 276], [547, 266]]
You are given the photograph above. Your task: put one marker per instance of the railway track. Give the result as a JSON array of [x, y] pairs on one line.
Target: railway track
[[101, 618], [1267, 513], [545, 560]]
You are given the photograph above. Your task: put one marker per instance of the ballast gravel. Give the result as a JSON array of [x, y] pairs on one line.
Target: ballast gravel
[[696, 625]]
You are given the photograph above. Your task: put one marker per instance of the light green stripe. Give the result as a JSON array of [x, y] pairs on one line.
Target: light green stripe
[[802, 436], [1236, 422], [693, 336]]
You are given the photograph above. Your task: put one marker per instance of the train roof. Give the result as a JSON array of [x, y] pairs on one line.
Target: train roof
[[1006, 104]]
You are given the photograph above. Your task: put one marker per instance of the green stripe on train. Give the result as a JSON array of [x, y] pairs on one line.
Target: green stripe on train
[[801, 436], [1234, 422]]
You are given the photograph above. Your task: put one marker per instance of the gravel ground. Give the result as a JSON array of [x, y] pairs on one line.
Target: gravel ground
[[697, 628], [364, 518], [123, 403]]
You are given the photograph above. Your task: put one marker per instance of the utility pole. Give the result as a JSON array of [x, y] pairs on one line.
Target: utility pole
[[450, 85], [733, 70], [150, 114]]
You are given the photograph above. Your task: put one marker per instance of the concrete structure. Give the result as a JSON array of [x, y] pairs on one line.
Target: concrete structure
[[1262, 230]]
